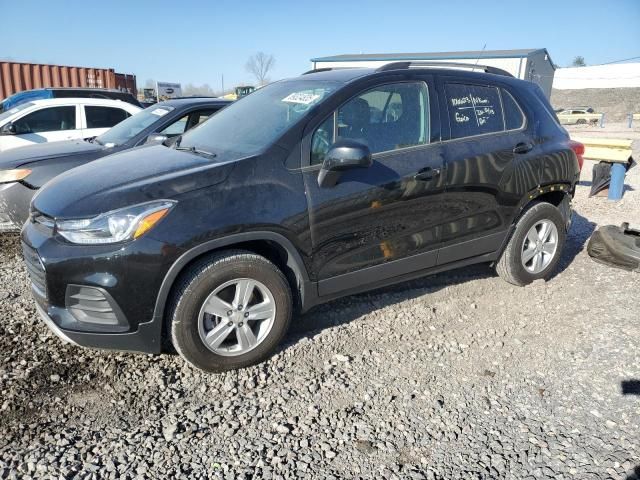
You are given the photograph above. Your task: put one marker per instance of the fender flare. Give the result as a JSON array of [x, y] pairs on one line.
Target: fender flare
[[294, 261], [530, 197]]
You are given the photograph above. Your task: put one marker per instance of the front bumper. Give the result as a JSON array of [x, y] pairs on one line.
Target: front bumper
[[98, 296], [145, 339], [15, 199]]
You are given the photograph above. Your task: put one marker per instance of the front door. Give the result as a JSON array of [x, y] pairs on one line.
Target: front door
[[49, 124], [365, 228]]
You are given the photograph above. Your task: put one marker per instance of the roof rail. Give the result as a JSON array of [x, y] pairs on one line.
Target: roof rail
[[406, 65], [324, 69], [316, 70]]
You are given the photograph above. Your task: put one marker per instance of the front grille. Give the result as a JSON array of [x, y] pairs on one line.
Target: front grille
[[35, 270]]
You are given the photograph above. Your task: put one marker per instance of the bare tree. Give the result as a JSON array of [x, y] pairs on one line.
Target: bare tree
[[194, 90], [578, 62], [259, 65]]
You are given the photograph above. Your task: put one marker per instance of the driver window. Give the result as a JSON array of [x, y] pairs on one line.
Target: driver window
[[385, 118]]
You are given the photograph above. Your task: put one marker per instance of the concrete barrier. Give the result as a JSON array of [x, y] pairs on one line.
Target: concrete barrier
[[616, 151]]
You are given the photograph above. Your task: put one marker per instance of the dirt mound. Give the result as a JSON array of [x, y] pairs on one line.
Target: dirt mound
[[615, 103]]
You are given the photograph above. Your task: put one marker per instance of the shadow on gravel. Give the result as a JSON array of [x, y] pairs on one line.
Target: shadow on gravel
[[579, 234], [346, 309], [630, 387], [635, 475]]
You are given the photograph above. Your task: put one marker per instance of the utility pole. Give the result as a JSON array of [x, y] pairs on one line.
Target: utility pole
[[222, 75]]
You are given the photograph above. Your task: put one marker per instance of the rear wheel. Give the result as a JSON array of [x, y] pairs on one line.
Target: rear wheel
[[230, 311], [535, 246]]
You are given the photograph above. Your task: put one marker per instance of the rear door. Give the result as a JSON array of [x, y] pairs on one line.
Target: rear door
[[382, 221], [47, 124], [99, 118], [487, 150]]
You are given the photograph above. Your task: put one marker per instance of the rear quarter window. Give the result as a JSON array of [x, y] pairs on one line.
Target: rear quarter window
[[513, 116], [473, 110]]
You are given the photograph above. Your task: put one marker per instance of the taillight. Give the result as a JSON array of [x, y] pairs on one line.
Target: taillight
[[578, 148]]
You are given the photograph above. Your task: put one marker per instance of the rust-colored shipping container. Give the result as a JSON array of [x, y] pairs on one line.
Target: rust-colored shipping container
[[17, 76]]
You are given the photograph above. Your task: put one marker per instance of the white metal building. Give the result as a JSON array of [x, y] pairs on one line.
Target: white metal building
[[620, 75], [529, 64]]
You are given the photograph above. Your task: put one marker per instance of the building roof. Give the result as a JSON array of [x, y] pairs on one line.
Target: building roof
[[518, 53]]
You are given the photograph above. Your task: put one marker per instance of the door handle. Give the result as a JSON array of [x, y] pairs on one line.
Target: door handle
[[523, 147], [427, 173]]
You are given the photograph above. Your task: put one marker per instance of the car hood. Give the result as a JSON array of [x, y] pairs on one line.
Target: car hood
[[130, 177], [17, 157]]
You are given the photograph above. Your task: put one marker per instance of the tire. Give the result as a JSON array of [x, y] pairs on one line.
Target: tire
[[514, 265], [195, 306], [581, 121]]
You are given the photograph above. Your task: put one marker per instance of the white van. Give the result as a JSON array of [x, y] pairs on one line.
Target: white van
[[56, 119]]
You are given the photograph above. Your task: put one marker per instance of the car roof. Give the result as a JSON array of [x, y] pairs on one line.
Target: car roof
[[81, 89], [82, 100], [347, 74], [187, 101]]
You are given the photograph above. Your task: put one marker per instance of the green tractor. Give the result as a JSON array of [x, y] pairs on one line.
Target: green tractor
[[240, 92]]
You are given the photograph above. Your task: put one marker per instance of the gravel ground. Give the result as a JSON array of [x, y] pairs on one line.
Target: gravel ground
[[458, 375]]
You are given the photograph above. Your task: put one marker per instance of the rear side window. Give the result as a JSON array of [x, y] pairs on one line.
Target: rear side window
[[50, 119], [473, 110], [513, 116], [104, 117]]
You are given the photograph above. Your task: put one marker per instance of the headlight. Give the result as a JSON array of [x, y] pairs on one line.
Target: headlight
[[7, 176], [116, 226]]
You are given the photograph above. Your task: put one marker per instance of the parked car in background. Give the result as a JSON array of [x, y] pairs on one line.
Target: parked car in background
[[24, 170], [578, 116], [58, 92], [306, 190], [41, 121]]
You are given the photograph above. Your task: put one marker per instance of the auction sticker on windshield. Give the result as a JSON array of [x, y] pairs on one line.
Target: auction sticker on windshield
[[160, 112], [301, 97]]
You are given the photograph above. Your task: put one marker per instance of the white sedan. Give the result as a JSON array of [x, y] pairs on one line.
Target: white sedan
[[57, 119]]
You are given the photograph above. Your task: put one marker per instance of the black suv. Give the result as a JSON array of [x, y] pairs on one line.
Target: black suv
[[308, 189], [24, 170]]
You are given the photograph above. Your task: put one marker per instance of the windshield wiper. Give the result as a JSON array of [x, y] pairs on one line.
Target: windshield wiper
[[197, 151]]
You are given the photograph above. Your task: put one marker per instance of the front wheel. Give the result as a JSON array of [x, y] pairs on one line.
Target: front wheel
[[230, 311], [535, 246]]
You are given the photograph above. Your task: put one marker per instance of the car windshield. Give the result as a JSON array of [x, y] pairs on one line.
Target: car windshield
[[11, 111], [250, 125], [129, 128]]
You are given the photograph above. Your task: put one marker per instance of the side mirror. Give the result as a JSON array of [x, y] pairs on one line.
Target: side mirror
[[8, 129], [343, 155], [155, 138]]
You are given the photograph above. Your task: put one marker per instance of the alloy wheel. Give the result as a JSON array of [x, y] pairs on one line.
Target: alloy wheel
[[236, 317], [539, 246]]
